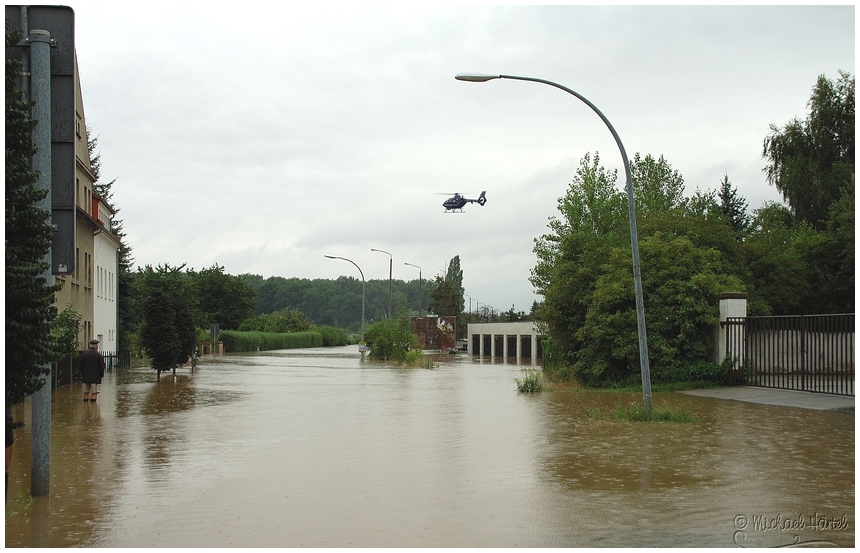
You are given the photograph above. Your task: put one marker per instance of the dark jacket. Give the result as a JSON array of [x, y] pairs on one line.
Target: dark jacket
[[92, 366]]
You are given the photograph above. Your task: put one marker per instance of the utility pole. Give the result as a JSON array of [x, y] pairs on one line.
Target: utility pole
[[40, 93], [48, 56]]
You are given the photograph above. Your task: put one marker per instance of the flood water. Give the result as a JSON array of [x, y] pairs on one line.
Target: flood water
[[315, 448]]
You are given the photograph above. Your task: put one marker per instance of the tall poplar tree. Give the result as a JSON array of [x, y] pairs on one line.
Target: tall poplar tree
[[446, 297]]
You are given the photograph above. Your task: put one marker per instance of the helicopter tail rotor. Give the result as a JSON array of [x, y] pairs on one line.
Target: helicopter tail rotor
[[482, 199]]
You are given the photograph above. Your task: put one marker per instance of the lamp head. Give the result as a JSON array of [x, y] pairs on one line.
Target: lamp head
[[476, 77]]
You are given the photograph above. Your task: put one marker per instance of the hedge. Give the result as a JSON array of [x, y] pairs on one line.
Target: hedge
[[235, 341]]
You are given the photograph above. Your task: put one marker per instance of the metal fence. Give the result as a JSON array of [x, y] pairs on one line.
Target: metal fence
[[813, 353], [65, 371], [117, 359]]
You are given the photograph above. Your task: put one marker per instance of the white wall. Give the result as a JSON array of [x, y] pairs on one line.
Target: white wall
[[521, 329], [105, 291]]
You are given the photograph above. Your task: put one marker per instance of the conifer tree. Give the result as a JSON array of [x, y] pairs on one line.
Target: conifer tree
[[29, 297], [126, 320], [167, 332], [733, 206]]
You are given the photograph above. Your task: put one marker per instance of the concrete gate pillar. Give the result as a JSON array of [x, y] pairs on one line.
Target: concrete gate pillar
[[732, 304]]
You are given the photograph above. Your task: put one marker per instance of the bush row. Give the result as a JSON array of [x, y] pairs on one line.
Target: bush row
[[235, 341], [332, 336]]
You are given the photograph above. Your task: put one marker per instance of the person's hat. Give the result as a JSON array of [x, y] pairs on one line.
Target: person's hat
[[94, 342]]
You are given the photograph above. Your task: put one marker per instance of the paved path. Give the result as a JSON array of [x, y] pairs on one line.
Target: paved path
[[773, 396]]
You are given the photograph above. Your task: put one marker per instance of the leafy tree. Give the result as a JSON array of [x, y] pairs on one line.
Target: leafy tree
[[167, 332], [285, 320], [797, 269], [681, 281], [584, 274], [29, 297], [592, 210], [569, 258], [443, 297], [222, 298], [657, 187], [65, 331], [334, 302], [812, 161], [778, 272], [829, 257]]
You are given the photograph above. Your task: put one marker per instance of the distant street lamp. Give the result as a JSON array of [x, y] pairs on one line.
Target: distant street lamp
[[420, 289], [631, 209], [361, 345], [390, 267]]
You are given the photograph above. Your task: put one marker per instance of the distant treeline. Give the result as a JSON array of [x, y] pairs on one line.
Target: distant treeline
[[337, 303]]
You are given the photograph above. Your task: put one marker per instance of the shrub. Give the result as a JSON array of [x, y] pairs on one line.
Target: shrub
[[390, 339], [332, 336], [531, 382], [698, 371]]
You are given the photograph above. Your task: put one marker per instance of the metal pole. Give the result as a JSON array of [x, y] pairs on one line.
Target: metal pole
[[390, 266], [40, 83], [420, 289], [390, 273], [361, 346], [631, 212]]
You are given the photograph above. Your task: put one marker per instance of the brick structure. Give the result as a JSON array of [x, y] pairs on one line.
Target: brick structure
[[435, 332]]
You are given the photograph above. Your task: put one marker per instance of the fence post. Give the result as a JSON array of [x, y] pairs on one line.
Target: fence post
[[732, 304]]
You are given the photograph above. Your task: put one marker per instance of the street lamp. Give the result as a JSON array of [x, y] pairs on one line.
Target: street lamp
[[390, 267], [631, 211], [361, 346], [420, 290]]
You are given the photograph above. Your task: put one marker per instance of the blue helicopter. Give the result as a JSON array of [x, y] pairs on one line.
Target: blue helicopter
[[456, 202]]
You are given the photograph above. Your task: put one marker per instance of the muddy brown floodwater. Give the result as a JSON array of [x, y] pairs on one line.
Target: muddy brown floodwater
[[315, 448]]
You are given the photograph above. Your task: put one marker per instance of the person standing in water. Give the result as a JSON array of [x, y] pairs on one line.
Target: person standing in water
[[92, 366]]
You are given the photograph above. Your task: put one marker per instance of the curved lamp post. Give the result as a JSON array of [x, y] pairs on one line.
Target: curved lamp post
[[361, 346], [390, 267], [631, 209], [420, 289]]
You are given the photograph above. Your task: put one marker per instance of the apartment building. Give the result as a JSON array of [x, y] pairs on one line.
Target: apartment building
[[92, 287], [84, 253]]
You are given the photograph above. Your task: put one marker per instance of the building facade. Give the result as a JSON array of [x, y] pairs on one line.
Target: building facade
[[520, 341], [92, 287]]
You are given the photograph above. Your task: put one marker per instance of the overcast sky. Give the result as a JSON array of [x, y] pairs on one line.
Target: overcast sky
[[263, 136]]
